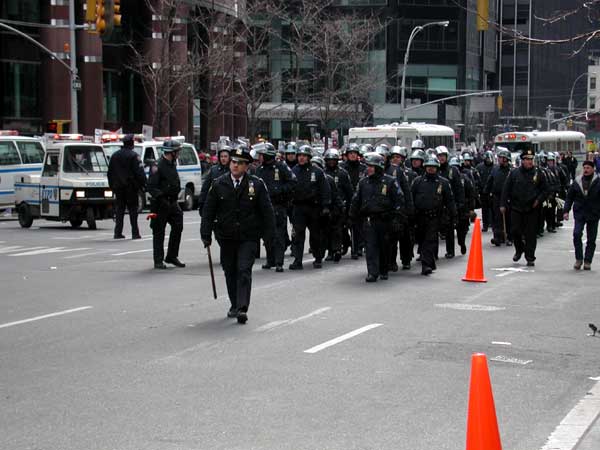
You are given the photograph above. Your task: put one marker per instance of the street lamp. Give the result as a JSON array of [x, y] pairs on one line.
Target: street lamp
[[414, 32], [571, 105]]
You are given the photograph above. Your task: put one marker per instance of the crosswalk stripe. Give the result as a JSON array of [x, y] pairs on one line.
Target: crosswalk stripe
[[130, 253], [51, 250], [10, 248]]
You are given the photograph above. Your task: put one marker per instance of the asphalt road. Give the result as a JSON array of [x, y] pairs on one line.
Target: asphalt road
[[139, 359]]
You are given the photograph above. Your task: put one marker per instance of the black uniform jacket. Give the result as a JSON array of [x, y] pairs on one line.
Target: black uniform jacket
[[245, 214], [279, 180], [126, 171], [164, 183], [523, 188], [214, 173], [378, 196], [586, 204]]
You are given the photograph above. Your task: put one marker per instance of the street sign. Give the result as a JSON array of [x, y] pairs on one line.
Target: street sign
[[76, 84]]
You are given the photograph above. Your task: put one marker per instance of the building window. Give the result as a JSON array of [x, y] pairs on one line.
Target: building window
[[593, 83], [20, 86], [112, 97], [592, 103], [24, 10]]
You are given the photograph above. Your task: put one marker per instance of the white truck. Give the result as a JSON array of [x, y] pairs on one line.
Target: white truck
[[72, 186]]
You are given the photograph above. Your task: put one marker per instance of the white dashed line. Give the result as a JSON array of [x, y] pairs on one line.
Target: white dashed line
[[46, 316], [47, 251], [342, 338], [279, 323], [132, 252]]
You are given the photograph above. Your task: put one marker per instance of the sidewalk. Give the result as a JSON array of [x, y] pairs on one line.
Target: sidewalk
[[591, 440]]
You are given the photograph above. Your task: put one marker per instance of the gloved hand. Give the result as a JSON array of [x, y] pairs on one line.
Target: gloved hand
[[472, 216], [206, 241]]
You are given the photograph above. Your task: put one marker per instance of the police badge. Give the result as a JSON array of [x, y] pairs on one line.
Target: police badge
[[384, 190], [439, 189], [276, 174], [313, 177], [251, 191]]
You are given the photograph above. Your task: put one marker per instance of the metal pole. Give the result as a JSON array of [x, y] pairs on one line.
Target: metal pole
[[74, 77], [571, 105], [514, 105]]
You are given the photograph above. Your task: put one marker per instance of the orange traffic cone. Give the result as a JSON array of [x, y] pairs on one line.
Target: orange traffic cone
[[475, 264], [482, 425]]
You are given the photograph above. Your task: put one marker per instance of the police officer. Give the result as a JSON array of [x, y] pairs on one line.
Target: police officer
[[493, 192], [452, 174], [356, 170], [416, 168], [221, 168], [379, 205], [467, 213], [433, 198], [290, 154], [127, 179], [345, 191], [164, 187], [484, 169], [280, 182], [524, 191], [239, 211], [404, 238], [311, 200]]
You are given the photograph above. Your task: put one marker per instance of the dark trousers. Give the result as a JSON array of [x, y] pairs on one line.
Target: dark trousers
[[427, 237], [404, 241], [591, 227], [276, 249], [486, 211], [126, 199], [306, 216], [449, 232], [524, 232], [550, 213], [377, 241], [498, 221], [333, 239], [358, 240], [237, 259], [462, 227], [167, 213]]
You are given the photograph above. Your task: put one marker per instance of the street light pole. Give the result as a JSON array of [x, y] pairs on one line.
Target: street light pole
[[74, 77], [414, 32], [571, 105]]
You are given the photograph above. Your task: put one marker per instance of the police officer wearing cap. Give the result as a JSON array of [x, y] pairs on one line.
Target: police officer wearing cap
[[433, 198], [239, 211], [465, 215], [379, 205], [311, 201], [280, 183], [345, 192], [524, 192], [221, 168], [452, 174], [164, 187], [126, 178], [357, 170], [493, 192]]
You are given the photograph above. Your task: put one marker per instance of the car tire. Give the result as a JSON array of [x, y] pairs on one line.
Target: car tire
[[91, 219], [25, 216], [188, 199]]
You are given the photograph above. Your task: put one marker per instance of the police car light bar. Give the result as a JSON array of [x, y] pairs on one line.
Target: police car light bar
[[170, 138], [68, 137], [9, 133], [111, 137]]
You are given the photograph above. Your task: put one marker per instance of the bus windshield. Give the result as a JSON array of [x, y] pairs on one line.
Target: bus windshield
[[84, 159], [374, 141], [516, 147]]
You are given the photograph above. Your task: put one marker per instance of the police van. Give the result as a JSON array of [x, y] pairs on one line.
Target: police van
[[72, 185], [19, 156], [188, 165]]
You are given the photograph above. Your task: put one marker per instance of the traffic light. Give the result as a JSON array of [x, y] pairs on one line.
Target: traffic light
[[102, 14], [58, 126], [117, 13]]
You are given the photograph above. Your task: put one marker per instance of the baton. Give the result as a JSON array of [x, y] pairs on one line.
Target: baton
[[504, 227], [212, 273], [351, 227]]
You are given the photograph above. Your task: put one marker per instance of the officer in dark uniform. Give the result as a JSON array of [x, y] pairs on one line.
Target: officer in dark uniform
[[524, 192], [356, 170], [416, 168], [345, 192], [432, 197], [280, 183], [127, 179], [493, 191], [379, 205], [464, 215], [238, 209], [404, 238], [452, 174], [164, 187], [290, 154], [311, 201], [485, 169], [221, 168]]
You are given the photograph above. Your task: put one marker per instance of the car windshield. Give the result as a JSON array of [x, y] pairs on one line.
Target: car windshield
[[84, 159], [110, 150]]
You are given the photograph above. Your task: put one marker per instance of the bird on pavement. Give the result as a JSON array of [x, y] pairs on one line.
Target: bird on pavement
[[594, 328]]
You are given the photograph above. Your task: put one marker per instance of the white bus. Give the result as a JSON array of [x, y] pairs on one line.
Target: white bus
[[403, 134], [548, 141]]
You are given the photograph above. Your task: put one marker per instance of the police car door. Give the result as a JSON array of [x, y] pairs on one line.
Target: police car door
[[49, 191], [190, 172], [9, 165]]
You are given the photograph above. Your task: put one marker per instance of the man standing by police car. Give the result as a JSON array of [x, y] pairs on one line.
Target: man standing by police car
[[238, 209], [126, 178], [164, 187]]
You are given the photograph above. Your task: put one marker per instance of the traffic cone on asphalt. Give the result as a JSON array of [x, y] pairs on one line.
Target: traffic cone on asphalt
[[482, 425], [475, 264]]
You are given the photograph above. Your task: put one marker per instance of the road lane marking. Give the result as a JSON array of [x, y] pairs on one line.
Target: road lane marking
[[469, 307], [344, 337], [500, 343], [12, 248], [279, 323], [87, 254], [72, 238], [506, 359], [48, 251], [132, 252], [192, 223], [576, 423], [45, 316], [511, 270]]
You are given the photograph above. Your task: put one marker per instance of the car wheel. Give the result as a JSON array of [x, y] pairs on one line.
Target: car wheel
[[188, 199], [75, 223], [25, 216]]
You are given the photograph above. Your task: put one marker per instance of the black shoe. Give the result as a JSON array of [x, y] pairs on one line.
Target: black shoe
[[449, 255], [160, 266], [242, 317], [279, 269], [509, 243], [383, 276], [371, 278], [337, 257], [135, 237], [496, 242], [317, 264], [551, 230], [394, 267], [118, 236], [329, 257], [267, 266], [426, 271], [406, 266], [463, 249], [232, 313], [530, 264], [484, 229], [517, 256], [296, 266], [355, 257], [175, 262], [359, 254]]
